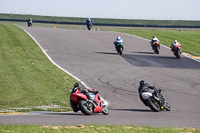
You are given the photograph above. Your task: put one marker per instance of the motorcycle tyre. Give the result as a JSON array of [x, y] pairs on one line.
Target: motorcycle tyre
[[120, 50], [156, 50], [168, 108], [84, 108], [105, 110], [152, 105], [178, 55]]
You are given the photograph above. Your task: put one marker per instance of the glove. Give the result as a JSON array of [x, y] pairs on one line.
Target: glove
[[96, 91]]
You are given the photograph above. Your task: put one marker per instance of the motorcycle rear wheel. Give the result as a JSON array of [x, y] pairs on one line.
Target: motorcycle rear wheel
[[105, 110], [156, 50], [85, 107], [153, 104]]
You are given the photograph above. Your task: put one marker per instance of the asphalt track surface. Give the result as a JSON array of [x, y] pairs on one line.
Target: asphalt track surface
[[90, 56]]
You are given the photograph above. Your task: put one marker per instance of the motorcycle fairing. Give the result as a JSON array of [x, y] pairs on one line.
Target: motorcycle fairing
[[76, 96], [146, 95]]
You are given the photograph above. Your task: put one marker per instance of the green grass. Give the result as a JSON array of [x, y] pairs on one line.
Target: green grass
[[92, 129], [102, 20], [27, 77]]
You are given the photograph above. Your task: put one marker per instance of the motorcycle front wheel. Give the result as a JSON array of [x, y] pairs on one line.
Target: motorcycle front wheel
[[105, 110], [86, 107], [153, 104], [168, 108], [120, 50]]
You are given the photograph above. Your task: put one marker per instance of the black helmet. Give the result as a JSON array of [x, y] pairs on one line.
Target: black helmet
[[154, 37], [77, 85], [142, 82]]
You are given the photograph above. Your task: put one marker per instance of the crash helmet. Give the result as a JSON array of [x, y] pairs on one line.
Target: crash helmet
[[175, 41], [153, 36], [77, 85], [119, 38], [142, 82]]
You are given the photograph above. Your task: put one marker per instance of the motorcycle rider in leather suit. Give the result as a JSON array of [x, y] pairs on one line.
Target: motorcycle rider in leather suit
[[154, 39], [145, 87], [118, 40], [88, 23]]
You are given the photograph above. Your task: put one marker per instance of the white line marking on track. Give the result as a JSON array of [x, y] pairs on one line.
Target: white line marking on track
[[44, 51]]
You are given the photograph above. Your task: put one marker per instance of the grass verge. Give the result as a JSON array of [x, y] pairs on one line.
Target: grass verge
[[102, 20], [92, 129], [27, 82], [27, 78]]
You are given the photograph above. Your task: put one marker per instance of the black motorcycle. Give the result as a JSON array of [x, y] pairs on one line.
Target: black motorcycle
[[29, 24], [119, 47], [89, 26], [153, 97]]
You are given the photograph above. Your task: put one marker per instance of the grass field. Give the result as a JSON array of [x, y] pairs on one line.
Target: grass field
[[27, 77], [92, 129], [102, 20], [24, 74]]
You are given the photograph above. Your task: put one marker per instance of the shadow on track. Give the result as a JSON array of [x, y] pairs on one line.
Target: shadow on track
[[134, 110], [64, 113], [143, 52], [107, 53], [161, 61]]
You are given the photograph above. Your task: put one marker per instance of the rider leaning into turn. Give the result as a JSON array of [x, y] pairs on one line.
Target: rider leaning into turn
[[77, 87], [144, 87], [117, 41], [175, 43]]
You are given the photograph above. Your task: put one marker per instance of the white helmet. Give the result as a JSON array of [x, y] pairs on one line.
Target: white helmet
[[118, 37]]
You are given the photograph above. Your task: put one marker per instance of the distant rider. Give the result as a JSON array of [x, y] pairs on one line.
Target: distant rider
[[174, 44], [145, 87], [117, 41], [30, 22], [154, 39], [89, 23]]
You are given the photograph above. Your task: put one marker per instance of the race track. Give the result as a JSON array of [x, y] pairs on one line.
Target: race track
[[90, 56]]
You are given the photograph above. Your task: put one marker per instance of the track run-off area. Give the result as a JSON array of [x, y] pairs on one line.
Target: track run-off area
[[91, 57]]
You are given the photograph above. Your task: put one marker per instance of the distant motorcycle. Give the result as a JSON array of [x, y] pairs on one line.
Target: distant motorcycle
[[119, 47], [89, 26], [154, 99], [177, 51], [29, 24], [79, 101], [156, 47]]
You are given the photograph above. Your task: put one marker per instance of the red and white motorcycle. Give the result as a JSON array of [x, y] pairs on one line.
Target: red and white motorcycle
[[96, 104], [156, 47], [176, 48]]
